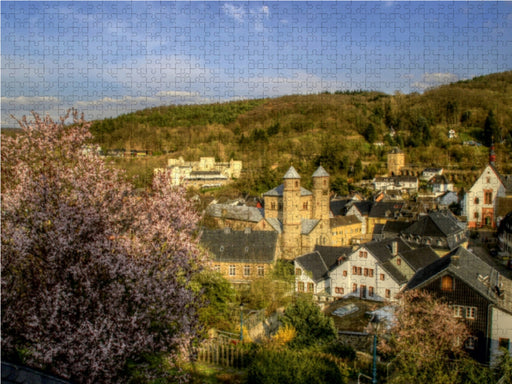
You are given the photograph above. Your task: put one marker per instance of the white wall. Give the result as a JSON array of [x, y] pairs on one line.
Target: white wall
[[501, 327], [380, 286]]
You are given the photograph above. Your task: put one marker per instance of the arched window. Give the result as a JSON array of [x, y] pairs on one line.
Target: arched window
[[447, 283]]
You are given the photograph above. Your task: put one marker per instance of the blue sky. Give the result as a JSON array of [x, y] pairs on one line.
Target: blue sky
[[109, 58]]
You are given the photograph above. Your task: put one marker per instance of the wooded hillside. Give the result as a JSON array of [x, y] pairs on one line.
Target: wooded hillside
[[339, 130]]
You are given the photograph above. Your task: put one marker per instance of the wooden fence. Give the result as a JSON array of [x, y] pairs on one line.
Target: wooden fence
[[224, 353]]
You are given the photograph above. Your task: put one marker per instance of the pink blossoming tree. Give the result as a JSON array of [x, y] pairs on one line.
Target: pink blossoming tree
[[93, 274]]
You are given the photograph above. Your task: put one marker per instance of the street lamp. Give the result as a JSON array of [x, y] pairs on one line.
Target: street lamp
[[374, 324], [241, 321]]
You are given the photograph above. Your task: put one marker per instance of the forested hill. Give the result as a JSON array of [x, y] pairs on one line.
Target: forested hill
[[343, 131]]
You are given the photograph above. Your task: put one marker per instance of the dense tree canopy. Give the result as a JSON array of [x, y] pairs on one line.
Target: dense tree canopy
[[93, 274], [310, 324]]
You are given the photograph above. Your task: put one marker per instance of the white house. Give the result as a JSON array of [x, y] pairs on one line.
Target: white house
[[480, 201], [397, 183], [429, 173], [378, 270]]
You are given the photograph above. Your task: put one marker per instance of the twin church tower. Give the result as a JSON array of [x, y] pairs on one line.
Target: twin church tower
[[301, 216]]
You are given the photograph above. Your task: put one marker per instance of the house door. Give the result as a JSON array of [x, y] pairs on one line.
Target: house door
[[362, 291]]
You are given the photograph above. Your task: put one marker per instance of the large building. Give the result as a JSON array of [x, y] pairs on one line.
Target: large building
[[205, 173], [481, 200], [303, 216]]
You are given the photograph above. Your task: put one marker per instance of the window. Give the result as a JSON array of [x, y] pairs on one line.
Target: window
[[361, 253], [247, 270], [366, 271], [311, 287], [488, 197], [398, 261], [388, 293], [359, 271], [339, 290], [344, 273], [487, 180], [298, 271], [273, 205], [370, 272], [382, 276], [261, 270], [470, 343], [300, 286], [232, 270], [458, 311], [447, 284], [296, 184], [354, 270], [475, 216], [504, 343], [471, 313], [305, 205], [354, 288], [370, 291], [477, 200]]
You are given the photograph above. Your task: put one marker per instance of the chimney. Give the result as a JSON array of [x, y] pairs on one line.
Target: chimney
[[455, 261], [394, 248]]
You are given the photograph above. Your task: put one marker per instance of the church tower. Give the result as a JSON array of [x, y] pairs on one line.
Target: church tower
[[321, 208], [292, 226]]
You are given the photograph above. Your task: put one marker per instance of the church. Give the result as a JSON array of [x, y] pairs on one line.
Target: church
[[300, 215], [300, 218]]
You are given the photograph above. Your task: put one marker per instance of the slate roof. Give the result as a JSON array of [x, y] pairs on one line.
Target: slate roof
[[275, 223], [320, 172], [247, 246], [386, 209], [420, 257], [337, 206], [315, 264], [395, 227], [362, 206], [435, 224], [235, 212], [278, 191], [291, 174], [331, 254], [18, 374], [381, 250], [467, 267], [344, 220], [321, 260], [308, 225]]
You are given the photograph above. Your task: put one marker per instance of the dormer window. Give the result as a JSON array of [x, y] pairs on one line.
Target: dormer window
[[447, 284]]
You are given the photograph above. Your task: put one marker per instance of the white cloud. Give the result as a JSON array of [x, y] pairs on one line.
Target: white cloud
[[30, 100], [430, 80], [236, 12]]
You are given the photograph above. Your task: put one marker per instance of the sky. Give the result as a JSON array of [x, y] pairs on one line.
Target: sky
[[110, 58]]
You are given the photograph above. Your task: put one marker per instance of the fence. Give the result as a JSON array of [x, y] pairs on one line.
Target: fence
[[224, 353]]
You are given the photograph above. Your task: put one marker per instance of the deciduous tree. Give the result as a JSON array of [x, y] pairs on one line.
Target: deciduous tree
[[93, 274], [425, 340]]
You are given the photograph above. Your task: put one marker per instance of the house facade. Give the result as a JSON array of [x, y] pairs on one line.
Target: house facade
[[203, 173], [241, 256], [480, 201], [407, 184], [345, 230], [378, 270], [476, 292]]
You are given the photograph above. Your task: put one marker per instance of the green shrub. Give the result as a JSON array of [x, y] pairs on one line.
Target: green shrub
[[292, 367]]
